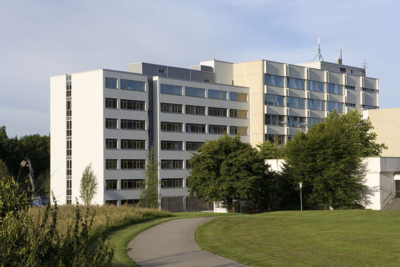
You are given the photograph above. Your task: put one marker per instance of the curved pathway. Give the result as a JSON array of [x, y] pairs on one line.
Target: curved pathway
[[172, 244]]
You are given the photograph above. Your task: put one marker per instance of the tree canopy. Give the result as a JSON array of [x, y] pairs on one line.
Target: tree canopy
[[37, 149], [327, 159], [228, 169], [150, 196]]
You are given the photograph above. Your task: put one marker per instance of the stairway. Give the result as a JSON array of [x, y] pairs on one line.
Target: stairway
[[393, 205]]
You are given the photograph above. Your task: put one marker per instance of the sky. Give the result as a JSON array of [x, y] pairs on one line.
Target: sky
[[39, 39]]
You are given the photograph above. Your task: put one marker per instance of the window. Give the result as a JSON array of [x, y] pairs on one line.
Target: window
[[111, 143], [312, 121], [343, 70], [217, 129], [196, 92], [275, 138], [171, 126], [133, 144], [111, 164], [295, 121], [111, 184], [111, 83], [234, 130], [112, 202], [132, 85], [238, 113], [127, 164], [161, 71], [275, 120], [132, 184], [206, 80], [350, 87], [350, 105], [171, 89], [242, 97], [171, 183], [295, 83], [216, 94], [171, 145], [335, 88], [368, 90], [369, 107], [171, 164], [132, 104], [219, 112], [295, 102], [273, 80], [111, 123], [111, 103], [195, 110], [188, 165], [315, 86], [274, 100], [316, 104], [193, 146], [131, 202], [171, 108], [335, 105], [195, 128], [132, 125]]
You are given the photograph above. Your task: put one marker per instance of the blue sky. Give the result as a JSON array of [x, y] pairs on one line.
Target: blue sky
[[39, 39]]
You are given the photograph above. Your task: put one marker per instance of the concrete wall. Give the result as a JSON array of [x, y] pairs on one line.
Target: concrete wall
[[386, 123], [251, 74]]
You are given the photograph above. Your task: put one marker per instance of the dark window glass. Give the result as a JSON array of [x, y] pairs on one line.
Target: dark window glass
[[195, 128], [171, 89], [111, 143], [219, 112], [171, 164], [111, 164], [295, 102], [111, 184], [171, 126], [216, 94], [295, 83], [195, 92], [111, 123], [171, 183], [171, 145], [132, 184], [132, 164], [274, 100], [133, 144], [171, 108], [193, 146], [132, 85], [217, 129], [132, 125], [111, 83], [132, 104], [195, 110], [242, 97], [273, 80], [315, 86], [111, 103]]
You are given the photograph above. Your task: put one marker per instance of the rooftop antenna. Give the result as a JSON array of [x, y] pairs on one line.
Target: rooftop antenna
[[320, 58], [339, 60], [365, 65]]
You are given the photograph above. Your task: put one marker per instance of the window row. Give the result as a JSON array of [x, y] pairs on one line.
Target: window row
[[126, 164], [294, 83], [139, 184], [201, 92], [126, 144], [295, 102], [126, 124], [125, 84], [201, 110], [290, 121], [125, 104], [201, 128]]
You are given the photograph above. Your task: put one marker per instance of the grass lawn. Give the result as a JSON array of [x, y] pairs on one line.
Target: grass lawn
[[308, 238], [121, 237]]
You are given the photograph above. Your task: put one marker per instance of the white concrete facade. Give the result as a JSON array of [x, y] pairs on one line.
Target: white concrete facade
[[227, 90]]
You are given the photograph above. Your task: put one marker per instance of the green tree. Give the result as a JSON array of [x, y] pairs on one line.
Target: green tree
[[228, 169], [269, 150], [150, 196], [327, 159], [89, 185]]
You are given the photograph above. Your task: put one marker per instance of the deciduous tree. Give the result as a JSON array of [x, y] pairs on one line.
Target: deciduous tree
[[89, 185]]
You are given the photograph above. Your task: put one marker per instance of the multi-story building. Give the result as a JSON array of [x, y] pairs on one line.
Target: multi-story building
[[111, 118]]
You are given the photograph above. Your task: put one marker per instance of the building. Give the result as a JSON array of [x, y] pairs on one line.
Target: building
[[111, 118], [382, 180]]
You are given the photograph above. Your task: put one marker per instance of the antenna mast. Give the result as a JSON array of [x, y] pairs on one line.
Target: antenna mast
[[319, 55]]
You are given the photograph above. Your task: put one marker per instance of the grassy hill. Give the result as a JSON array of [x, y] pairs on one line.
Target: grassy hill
[[308, 238]]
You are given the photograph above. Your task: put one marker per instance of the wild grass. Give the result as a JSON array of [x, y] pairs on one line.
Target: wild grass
[[107, 217], [308, 238]]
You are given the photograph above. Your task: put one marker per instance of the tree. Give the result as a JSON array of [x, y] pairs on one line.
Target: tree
[[228, 169], [89, 185], [149, 197], [327, 159], [269, 150]]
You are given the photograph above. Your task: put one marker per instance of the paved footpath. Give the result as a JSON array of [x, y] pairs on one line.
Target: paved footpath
[[172, 244]]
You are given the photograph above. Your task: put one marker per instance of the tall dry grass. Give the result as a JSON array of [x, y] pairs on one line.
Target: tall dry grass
[[108, 217]]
